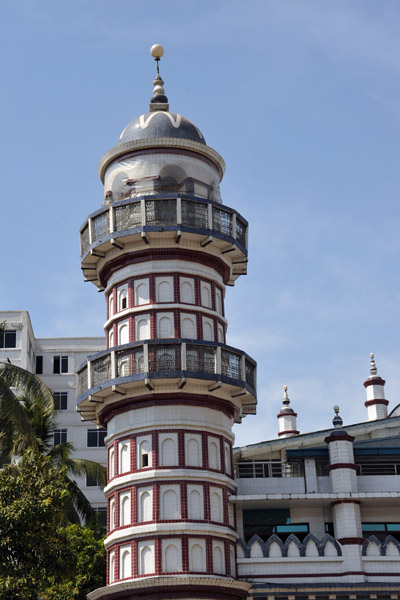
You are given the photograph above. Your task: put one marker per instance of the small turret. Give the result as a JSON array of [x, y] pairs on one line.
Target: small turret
[[287, 418], [376, 402]]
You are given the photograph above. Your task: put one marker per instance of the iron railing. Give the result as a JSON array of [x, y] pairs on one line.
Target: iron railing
[[163, 212], [211, 360], [267, 468]]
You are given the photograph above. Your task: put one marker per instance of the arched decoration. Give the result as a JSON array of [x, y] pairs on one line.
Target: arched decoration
[[208, 330], [123, 334], [197, 558], [193, 453], [293, 546], [195, 505], [112, 513], [165, 329], [145, 507], [125, 509], [142, 328], [171, 559], [274, 546], [216, 508], [188, 328], [125, 562], [187, 291], [241, 548], [111, 338], [328, 546], [142, 292], [144, 454], [256, 550], [218, 559], [122, 298], [168, 452], [221, 334], [214, 461], [146, 559], [111, 463], [165, 291], [218, 301], [170, 505], [110, 305], [206, 295], [111, 566], [391, 546], [171, 178], [124, 459], [232, 560]]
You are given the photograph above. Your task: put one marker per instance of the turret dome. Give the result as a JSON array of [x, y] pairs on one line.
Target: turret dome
[[161, 124]]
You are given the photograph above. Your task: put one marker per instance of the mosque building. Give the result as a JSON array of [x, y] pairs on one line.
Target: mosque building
[[305, 516]]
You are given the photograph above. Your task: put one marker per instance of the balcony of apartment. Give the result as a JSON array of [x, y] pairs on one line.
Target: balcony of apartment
[[173, 217], [149, 364]]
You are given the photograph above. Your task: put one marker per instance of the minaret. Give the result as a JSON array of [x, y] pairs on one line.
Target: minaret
[[287, 417], [376, 402], [168, 388]]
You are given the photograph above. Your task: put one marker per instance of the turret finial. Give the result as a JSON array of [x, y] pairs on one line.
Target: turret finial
[[286, 400], [159, 100], [372, 366], [337, 419]]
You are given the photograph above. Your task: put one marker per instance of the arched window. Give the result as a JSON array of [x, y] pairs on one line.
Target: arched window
[[165, 328], [168, 453], [122, 299], [144, 454]]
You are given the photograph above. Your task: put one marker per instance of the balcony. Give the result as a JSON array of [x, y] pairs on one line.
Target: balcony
[[143, 363], [178, 217]]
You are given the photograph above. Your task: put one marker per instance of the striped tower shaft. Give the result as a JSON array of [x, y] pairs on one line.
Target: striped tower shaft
[[167, 388]]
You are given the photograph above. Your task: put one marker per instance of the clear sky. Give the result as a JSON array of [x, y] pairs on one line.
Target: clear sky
[[302, 100]]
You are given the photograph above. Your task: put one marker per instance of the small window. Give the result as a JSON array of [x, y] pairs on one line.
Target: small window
[[39, 365], [59, 436], [8, 339], [101, 514], [95, 438], [60, 364], [60, 400], [92, 481]]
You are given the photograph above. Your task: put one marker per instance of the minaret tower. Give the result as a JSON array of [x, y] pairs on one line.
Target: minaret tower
[[168, 388], [287, 418], [376, 402]]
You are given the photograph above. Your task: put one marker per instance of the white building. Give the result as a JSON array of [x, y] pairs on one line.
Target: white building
[[55, 361]]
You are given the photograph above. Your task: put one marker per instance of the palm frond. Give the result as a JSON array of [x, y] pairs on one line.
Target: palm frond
[[81, 504]]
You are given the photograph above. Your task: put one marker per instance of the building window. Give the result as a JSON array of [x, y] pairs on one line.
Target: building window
[[60, 364], [265, 522], [39, 365], [92, 481], [381, 530], [101, 514], [8, 339], [60, 400], [95, 438], [59, 436]]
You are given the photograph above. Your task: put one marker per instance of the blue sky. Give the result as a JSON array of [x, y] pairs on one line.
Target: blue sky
[[301, 98]]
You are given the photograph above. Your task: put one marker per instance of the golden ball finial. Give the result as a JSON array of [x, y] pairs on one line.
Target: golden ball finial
[[285, 388], [372, 355], [157, 51]]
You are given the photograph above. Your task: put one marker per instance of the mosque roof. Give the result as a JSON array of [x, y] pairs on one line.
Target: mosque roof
[[161, 124]]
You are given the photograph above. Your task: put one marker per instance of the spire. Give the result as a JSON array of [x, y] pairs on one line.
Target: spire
[[287, 417], [159, 100], [337, 419], [372, 366], [376, 402]]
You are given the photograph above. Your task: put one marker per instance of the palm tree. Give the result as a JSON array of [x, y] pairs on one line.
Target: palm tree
[[28, 420]]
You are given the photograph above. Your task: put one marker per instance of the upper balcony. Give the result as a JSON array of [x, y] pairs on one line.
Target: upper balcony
[[171, 218], [141, 366]]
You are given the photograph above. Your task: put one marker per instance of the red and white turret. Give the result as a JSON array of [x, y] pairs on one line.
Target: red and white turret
[[376, 402], [287, 418], [168, 388]]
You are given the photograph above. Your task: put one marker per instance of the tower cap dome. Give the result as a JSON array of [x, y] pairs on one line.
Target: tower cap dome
[[161, 124]]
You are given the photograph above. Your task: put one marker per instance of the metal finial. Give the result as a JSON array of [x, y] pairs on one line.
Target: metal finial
[[159, 100], [372, 366], [286, 400], [337, 419]]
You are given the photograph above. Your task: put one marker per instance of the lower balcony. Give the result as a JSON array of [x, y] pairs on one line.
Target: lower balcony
[[212, 364]]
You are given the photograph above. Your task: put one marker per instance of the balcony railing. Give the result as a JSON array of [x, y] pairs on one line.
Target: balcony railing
[[180, 212], [175, 358], [378, 469], [267, 468]]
